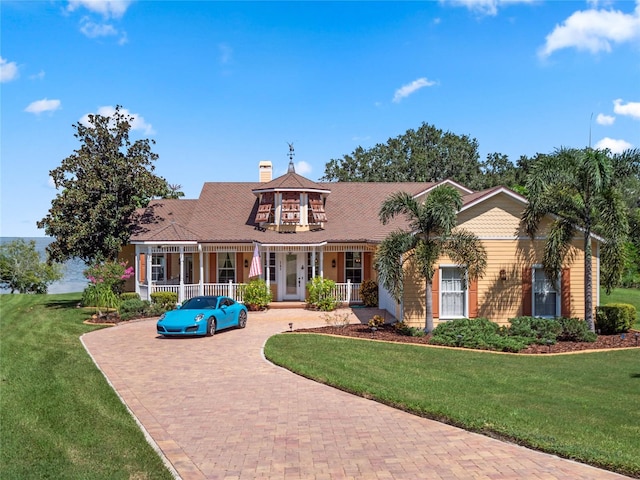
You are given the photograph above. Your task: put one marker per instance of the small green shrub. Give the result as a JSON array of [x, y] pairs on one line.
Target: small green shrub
[[575, 330], [129, 295], [615, 318], [376, 321], [133, 308], [322, 294], [540, 330], [403, 329], [369, 293], [100, 295], [167, 299], [257, 295], [479, 333]]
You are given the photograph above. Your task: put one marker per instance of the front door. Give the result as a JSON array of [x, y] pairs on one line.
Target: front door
[[294, 277]]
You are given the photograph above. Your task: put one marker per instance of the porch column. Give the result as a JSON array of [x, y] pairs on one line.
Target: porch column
[[268, 269], [149, 272], [201, 283], [181, 289], [136, 262], [322, 262]]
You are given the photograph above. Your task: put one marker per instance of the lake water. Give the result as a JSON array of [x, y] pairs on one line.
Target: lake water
[[73, 279]]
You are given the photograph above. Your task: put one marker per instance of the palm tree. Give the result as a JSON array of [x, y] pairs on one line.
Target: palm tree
[[430, 236], [577, 186]]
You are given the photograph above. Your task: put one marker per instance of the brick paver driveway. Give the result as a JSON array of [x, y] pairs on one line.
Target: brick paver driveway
[[218, 410]]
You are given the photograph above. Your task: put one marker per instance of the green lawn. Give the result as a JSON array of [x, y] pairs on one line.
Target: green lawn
[[623, 295], [577, 406], [60, 419]]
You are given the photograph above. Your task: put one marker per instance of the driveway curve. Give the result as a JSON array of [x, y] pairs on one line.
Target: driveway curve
[[216, 409]]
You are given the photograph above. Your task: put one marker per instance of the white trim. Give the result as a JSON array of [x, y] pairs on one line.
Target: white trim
[[444, 182], [510, 193]]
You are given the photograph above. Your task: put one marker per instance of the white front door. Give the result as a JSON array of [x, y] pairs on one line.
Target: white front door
[[293, 279]]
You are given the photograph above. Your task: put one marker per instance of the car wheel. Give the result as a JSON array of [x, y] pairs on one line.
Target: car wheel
[[211, 327], [242, 319]]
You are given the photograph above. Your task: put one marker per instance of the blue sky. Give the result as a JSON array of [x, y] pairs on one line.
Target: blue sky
[[221, 86]]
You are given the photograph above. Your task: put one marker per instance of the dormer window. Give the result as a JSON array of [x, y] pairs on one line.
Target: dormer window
[[290, 207], [316, 209], [265, 208]]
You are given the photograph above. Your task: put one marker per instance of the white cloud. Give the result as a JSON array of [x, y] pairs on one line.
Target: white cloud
[[137, 123], [37, 76], [44, 105], [411, 88], [8, 70], [107, 8], [616, 146], [303, 168], [603, 119], [484, 7], [93, 30], [631, 109], [594, 31]]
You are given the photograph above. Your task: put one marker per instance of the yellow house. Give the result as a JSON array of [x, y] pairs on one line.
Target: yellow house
[[301, 229]]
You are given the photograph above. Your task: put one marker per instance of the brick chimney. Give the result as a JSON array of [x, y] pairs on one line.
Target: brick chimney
[[266, 170]]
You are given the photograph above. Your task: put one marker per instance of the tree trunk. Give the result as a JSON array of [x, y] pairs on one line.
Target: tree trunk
[[428, 306], [588, 282]]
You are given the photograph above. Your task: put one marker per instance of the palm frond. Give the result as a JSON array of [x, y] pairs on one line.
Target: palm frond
[[399, 203], [389, 260], [467, 251], [557, 248]]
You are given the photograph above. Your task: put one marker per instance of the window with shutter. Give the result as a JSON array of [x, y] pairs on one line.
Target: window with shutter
[[316, 205]]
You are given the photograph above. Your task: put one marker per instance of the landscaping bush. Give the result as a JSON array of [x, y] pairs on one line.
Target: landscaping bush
[[322, 294], [129, 295], [543, 331], [575, 330], [403, 329], [480, 333], [167, 299], [369, 293], [133, 308], [257, 295], [615, 318], [376, 321]]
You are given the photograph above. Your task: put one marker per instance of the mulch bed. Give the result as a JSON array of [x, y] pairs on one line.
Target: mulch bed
[[387, 333]]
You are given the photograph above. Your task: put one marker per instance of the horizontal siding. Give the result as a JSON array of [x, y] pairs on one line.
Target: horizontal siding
[[499, 300]]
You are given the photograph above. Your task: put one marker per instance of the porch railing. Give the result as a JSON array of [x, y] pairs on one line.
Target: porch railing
[[345, 292]]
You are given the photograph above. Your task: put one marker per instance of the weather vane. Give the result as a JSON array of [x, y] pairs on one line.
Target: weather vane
[[291, 155]]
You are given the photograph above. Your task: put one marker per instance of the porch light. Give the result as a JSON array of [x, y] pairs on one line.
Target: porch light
[[333, 263], [291, 327], [503, 274], [246, 263]]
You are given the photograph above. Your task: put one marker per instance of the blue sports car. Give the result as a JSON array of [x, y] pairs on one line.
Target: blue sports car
[[203, 316]]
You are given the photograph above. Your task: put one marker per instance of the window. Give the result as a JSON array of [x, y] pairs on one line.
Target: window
[[226, 267], [309, 263], [545, 297], [271, 271], [353, 266], [453, 294], [158, 268]]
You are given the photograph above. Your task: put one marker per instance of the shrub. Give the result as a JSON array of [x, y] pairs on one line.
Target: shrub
[[369, 293], [540, 330], [167, 299], [322, 294], [133, 308], [615, 318], [257, 295], [403, 329], [100, 296], [129, 295], [479, 333], [376, 321], [575, 330]]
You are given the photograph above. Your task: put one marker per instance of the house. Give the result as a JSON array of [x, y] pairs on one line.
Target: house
[[305, 229]]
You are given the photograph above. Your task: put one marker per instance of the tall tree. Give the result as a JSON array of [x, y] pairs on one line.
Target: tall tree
[[101, 184], [423, 155], [431, 234], [578, 187], [23, 271]]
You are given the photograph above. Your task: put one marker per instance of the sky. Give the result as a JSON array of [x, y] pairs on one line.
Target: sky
[[222, 86]]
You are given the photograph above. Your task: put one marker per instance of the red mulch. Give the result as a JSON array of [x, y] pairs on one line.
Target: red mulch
[[386, 333]]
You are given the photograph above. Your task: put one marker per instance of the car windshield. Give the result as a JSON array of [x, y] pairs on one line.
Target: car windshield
[[199, 303]]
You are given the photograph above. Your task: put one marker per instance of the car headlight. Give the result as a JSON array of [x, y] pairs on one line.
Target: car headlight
[[162, 317], [199, 317]]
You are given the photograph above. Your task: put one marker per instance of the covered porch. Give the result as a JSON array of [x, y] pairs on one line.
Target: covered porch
[[190, 269]]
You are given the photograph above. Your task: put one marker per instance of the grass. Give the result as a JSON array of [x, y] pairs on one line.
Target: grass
[[623, 295], [577, 406], [60, 418]]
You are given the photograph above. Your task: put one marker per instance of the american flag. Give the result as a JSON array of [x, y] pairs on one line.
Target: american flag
[[256, 264]]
